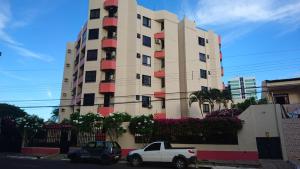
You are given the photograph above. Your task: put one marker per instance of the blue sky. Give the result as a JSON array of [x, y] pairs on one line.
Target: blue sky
[[260, 38]]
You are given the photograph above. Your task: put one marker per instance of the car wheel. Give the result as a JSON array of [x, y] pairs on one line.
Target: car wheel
[[180, 163], [136, 161]]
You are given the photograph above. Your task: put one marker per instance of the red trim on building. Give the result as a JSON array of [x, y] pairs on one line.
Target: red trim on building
[[40, 151], [159, 54], [221, 56], [160, 35], [110, 3], [110, 22], [108, 64], [160, 116], [109, 43], [219, 39], [160, 74], [160, 94], [228, 155]]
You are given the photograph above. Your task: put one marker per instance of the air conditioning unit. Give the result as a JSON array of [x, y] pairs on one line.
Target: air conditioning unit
[[157, 41], [150, 107]]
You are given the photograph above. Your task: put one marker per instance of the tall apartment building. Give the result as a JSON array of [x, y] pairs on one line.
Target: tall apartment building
[[131, 59], [242, 88]]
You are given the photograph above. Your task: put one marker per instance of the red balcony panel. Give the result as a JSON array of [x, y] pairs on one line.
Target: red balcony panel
[[110, 4], [160, 74], [107, 87], [160, 116], [219, 39], [108, 64], [221, 56], [159, 54], [109, 43], [105, 111], [110, 22], [160, 94], [160, 35], [222, 71]]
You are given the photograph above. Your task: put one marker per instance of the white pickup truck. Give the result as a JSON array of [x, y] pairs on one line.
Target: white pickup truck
[[163, 152]]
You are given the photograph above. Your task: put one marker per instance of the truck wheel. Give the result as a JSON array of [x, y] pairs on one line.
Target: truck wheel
[[179, 163], [136, 161]]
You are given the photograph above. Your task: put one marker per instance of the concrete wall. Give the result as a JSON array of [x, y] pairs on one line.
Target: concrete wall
[[291, 134]]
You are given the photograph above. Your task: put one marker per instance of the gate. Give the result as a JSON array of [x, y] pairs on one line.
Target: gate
[[10, 137], [269, 147]]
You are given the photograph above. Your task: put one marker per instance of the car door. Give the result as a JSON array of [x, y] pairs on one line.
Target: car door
[[152, 153]]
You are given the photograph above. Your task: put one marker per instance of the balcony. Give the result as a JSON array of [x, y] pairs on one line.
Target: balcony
[[78, 99], [107, 87], [80, 80], [160, 35], [159, 54], [81, 63], [222, 71], [105, 111], [160, 116], [221, 56], [159, 74], [109, 43], [110, 22], [108, 64], [160, 94], [110, 4], [219, 39]]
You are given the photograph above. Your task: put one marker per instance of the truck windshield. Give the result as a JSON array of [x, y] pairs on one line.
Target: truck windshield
[[167, 145]]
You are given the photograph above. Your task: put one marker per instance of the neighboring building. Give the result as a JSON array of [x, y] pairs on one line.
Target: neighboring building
[[282, 91], [127, 59], [243, 88]]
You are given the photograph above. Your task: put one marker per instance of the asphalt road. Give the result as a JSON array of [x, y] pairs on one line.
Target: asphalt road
[[12, 163]]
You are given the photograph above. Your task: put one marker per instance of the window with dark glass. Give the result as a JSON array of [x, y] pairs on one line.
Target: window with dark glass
[[93, 34], [146, 80], [138, 55], [203, 74], [163, 63], [138, 76], [137, 97], [92, 55], [89, 99], [202, 57], [153, 147], [138, 36], [201, 41], [90, 76], [139, 16], [95, 14], [206, 108], [146, 41], [146, 60], [146, 101], [146, 22], [163, 82]]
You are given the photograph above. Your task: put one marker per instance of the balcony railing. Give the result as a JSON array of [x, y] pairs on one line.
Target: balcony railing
[[160, 35], [110, 22], [159, 74], [107, 87], [159, 116], [160, 94], [109, 43], [105, 111], [159, 54], [110, 4], [108, 64]]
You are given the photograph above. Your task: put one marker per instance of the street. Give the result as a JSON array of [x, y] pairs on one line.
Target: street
[[12, 163]]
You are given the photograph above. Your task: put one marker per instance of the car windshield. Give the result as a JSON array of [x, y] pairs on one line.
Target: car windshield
[[167, 145]]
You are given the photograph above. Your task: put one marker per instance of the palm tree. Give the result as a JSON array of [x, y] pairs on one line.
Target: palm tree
[[198, 96], [54, 115], [215, 96], [226, 97]]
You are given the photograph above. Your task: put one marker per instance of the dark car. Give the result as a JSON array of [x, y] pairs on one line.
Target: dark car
[[106, 152]]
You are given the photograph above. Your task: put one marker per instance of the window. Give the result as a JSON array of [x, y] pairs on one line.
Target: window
[[138, 76], [90, 76], [147, 22], [202, 57], [66, 80], [64, 94], [137, 97], [203, 74], [92, 55], [69, 51], [93, 34], [138, 36], [68, 65], [146, 80], [147, 60], [95, 14], [208, 72], [204, 88], [206, 40], [63, 110], [207, 56], [201, 41], [100, 145], [163, 83], [138, 55], [139, 16], [153, 147], [89, 99], [146, 101], [206, 108], [147, 41]]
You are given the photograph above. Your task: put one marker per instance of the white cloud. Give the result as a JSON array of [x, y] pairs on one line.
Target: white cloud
[[49, 93], [10, 75], [5, 19], [216, 12]]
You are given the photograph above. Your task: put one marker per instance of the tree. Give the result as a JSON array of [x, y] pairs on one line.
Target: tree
[[11, 111], [142, 126], [113, 125], [198, 96], [54, 116], [214, 96], [226, 97]]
